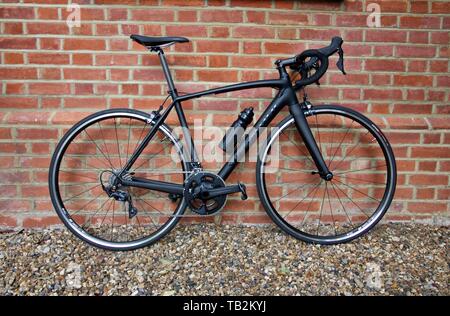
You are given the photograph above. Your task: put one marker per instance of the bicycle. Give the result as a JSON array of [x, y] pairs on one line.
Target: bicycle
[[114, 184]]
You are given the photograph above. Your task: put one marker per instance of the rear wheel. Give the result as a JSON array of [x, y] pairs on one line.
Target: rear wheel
[[327, 212], [85, 162]]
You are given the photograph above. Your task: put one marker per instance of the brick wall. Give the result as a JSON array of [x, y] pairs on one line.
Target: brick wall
[[51, 76]]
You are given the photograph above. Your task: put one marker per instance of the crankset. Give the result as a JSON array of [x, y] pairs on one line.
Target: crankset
[[206, 193]]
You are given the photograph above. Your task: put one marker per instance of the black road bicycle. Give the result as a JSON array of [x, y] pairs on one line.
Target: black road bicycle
[[115, 183]]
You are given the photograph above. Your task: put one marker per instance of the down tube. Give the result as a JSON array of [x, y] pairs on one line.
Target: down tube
[[269, 114]]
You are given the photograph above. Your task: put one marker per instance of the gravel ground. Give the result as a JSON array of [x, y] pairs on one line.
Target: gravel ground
[[229, 260]]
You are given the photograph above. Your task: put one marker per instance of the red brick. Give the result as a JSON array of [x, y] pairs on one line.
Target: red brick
[[417, 22], [18, 102], [427, 207], [385, 65], [386, 36], [48, 13], [18, 73], [28, 117], [215, 16], [49, 88], [13, 28], [35, 222], [219, 75], [187, 30], [16, 13], [416, 51], [413, 80], [426, 179], [46, 58], [253, 32], [288, 18], [430, 152], [392, 5], [8, 221], [84, 74], [84, 44], [440, 7], [217, 46], [152, 15], [37, 133], [379, 94], [47, 28], [419, 6]]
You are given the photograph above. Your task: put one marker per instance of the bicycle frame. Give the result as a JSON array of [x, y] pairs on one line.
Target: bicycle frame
[[286, 96]]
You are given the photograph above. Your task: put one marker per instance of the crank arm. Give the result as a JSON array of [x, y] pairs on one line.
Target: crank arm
[[227, 190]]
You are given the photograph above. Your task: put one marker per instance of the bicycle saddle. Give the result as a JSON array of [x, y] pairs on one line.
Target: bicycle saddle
[[157, 41]]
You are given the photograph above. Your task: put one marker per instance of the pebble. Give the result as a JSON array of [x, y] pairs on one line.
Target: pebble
[[209, 259]]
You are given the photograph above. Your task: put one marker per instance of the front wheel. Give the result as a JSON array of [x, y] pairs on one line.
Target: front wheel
[[327, 212]]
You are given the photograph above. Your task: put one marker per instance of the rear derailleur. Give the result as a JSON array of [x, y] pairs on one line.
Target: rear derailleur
[[111, 187]]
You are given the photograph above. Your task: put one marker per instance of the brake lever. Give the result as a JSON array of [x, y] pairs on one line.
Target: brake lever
[[340, 62]]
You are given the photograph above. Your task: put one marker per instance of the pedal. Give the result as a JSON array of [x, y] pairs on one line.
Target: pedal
[[243, 190]]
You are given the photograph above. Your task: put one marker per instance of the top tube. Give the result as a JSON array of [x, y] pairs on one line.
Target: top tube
[[271, 83]]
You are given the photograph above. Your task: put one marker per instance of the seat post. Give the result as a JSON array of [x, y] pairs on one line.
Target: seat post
[[167, 74]]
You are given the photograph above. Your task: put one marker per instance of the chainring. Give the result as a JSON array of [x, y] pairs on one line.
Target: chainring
[[198, 183]]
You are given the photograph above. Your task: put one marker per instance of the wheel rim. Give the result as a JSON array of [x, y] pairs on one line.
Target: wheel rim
[[348, 205], [92, 150]]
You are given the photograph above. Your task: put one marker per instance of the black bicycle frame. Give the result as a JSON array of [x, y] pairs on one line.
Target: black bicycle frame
[[286, 96]]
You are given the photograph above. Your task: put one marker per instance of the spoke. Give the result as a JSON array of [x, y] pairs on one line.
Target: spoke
[[101, 151], [107, 211], [81, 208], [309, 205], [296, 170], [147, 160], [137, 219], [72, 184], [331, 210], [151, 218], [128, 142], [368, 168], [104, 141], [349, 152], [298, 188], [72, 172], [321, 209], [340, 143], [335, 192], [318, 132], [313, 189], [139, 139], [358, 191], [100, 208], [296, 180], [337, 186], [150, 205], [126, 220], [117, 141], [332, 139], [112, 222], [298, 146], [103, 162], [361, 180], [81, 193]]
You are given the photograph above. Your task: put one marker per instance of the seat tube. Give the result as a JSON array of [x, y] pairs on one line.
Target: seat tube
[[182, 118], [305, 132]]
